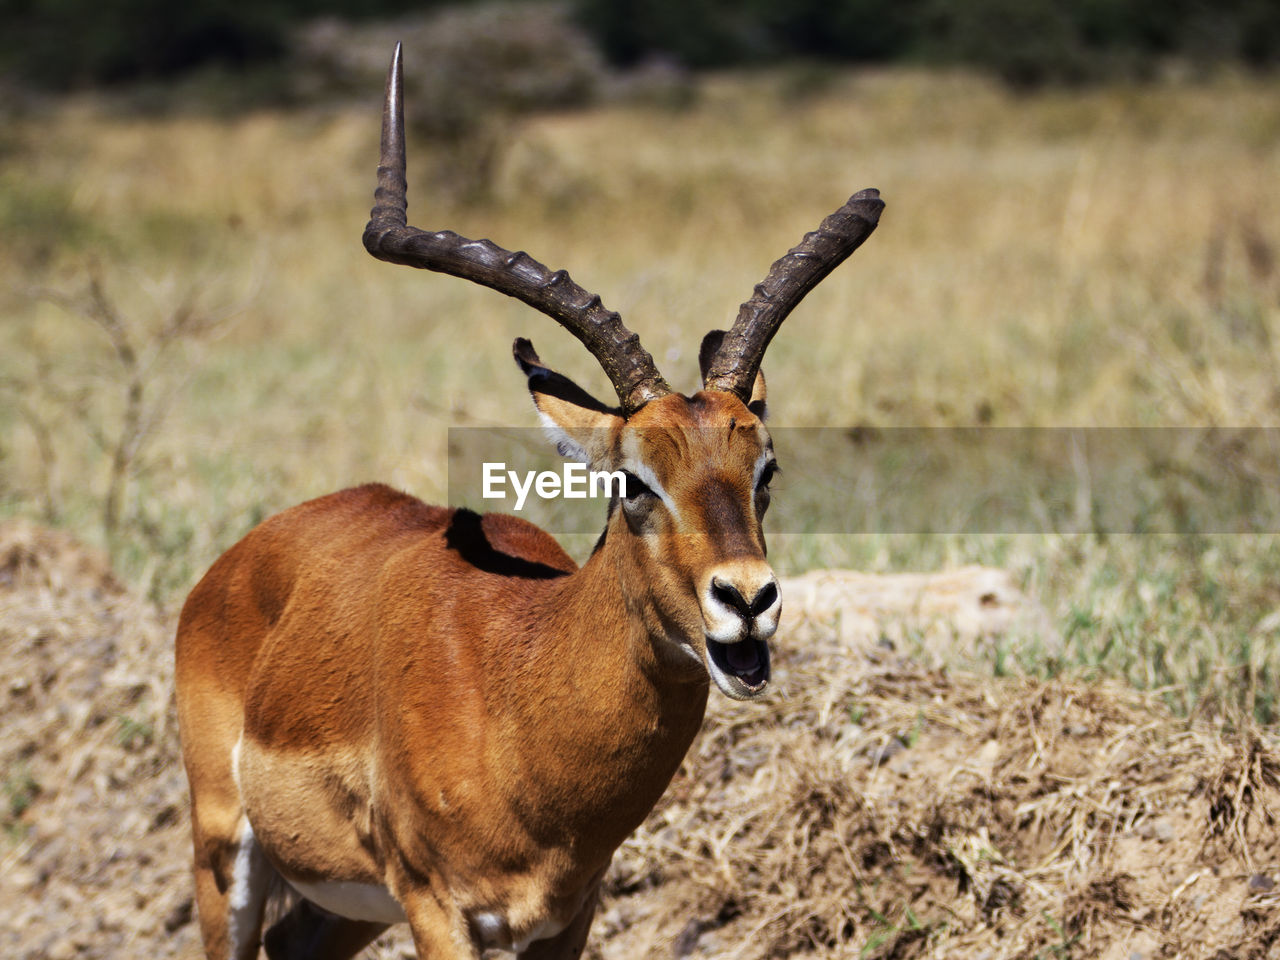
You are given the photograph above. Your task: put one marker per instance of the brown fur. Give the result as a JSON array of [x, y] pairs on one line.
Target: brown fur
[[391, 696], [443, 704]]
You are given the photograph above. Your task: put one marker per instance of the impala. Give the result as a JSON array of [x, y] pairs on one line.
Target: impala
[[412, 713]]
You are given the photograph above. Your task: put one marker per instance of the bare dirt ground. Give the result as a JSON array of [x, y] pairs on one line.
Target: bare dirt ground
[[872, 807]]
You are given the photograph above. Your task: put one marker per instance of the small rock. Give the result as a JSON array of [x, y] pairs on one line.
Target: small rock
[[1260, 881], [687, 940], [178, 917], [880, 753]]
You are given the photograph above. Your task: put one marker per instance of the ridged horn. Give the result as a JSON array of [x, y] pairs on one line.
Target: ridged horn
[[735, 364], [389, 237]]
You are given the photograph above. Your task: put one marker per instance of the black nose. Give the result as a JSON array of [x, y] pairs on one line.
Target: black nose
[[764, 599], [730, 596]]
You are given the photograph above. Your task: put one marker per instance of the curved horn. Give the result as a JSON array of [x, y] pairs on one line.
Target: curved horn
[[734, 368], [389, 237]]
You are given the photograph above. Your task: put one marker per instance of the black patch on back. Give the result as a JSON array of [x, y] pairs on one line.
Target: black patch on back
[[466, 535]]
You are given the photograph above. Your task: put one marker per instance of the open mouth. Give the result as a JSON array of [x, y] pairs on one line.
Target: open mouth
[[740, 670]]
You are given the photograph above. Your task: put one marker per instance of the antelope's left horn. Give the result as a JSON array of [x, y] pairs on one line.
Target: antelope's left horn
[[388, 237]]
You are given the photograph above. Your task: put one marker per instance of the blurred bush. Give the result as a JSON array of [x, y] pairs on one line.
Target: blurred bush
[[722, 33], [69, 44], [464, 66], [1031, 43], [74, 44], [469, 73], [1025, 42]]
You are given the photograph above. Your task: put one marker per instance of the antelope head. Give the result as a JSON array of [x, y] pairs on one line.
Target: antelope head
[[686, 535]]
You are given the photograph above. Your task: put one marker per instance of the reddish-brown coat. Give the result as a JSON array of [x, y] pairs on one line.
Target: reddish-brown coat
[[421, 704]]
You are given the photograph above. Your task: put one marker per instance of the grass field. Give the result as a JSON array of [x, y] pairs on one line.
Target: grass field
[[1096, 258]]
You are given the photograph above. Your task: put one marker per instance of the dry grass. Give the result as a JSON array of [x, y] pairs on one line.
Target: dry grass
[[869, 807], [93, 790], [879, 809], [1087, 258]]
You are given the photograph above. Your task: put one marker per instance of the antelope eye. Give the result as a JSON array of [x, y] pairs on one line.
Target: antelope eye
[[636, 489]]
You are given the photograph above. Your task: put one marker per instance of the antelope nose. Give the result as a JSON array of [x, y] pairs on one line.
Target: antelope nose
[[729, 595], [741, 604]]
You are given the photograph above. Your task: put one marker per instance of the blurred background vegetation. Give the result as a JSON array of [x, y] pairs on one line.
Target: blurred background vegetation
[[70, 44], [1083, 229]]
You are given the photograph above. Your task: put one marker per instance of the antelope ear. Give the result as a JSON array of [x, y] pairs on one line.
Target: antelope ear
[[707, 352], [580, 426]]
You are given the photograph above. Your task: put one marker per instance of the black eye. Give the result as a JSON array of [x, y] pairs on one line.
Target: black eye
[[635, 488]]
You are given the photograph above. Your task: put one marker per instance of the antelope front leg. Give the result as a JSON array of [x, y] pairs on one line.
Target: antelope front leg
[[440, 932]]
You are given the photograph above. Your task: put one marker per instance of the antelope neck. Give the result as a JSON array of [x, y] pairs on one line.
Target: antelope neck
[[623, 715]]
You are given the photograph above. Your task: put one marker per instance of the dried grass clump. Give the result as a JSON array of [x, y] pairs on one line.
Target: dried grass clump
[[940, 617], [871, 808], [94, 861], [879, 809]]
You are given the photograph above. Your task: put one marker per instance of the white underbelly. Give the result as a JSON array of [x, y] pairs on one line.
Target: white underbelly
[[373, 902], [355, 901]]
